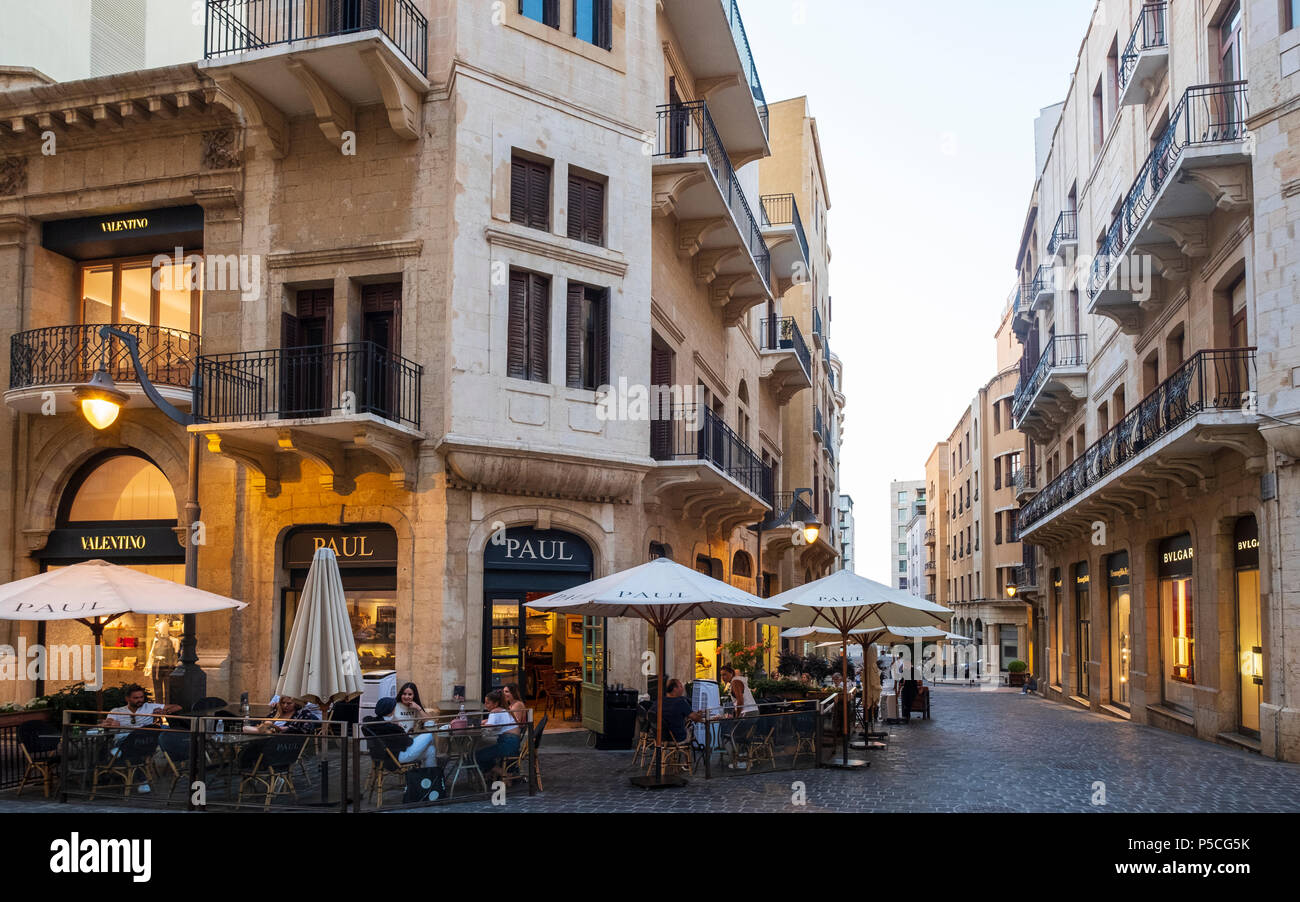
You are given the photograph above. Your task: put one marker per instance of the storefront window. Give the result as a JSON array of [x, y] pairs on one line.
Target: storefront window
[[1083, 627], [1121, 639], [1058, 631], [1250, 635], [1177, 621], [135, 292], [706, 649]]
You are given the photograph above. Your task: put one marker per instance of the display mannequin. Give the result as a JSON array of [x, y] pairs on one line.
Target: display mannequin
[[164, 650]]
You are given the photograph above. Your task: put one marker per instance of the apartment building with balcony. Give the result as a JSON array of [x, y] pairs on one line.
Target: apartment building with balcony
[[972, 522], [919, 562], [846, 532], [1158, 282], [441, 279]]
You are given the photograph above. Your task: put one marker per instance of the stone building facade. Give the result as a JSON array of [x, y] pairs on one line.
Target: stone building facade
[[1159, 276], [444, 265]]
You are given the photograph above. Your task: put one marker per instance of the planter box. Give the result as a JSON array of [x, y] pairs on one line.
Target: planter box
[[1016, 679], [15, 718]]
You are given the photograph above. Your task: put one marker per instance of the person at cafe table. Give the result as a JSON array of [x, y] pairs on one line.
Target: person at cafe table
[[677, 711], [138, 711], [290, 716]]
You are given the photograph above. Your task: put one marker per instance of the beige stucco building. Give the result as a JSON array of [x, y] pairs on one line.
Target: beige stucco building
[[1160, 292], [446, 264]]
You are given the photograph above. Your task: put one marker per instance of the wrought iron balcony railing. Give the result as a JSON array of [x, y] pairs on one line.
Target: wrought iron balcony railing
[[241, 26], [1207, 114], [300, 383], [826, 353], [819, 424], [1216, 380], [693, 432], [788, 509], [783, 335], [1066, 229], [684, 129], [929, 567], [62, 355], [747, 59], [1045, 280], [1025, 480], [781, 209], [1148, 33], [817, 324], [1026, 575], [1061, 351], [929, 537]]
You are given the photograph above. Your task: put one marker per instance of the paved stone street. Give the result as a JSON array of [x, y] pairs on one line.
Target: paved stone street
[[982, 751]]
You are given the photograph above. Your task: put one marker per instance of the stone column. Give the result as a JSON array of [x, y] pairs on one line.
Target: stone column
[[14, 237]]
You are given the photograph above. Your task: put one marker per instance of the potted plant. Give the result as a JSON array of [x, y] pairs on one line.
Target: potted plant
[[747, 659], [1016, 673]]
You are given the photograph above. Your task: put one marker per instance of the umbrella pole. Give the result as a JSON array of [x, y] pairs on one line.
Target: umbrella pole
[[844, 677], [659, 711]]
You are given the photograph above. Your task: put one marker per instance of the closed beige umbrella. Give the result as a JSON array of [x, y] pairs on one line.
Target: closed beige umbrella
[[320, 659]]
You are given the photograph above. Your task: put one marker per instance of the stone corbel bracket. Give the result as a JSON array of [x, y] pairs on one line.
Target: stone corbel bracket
[[334, 113], [261, 463], [263, 119], [398, 454], [400, 99]]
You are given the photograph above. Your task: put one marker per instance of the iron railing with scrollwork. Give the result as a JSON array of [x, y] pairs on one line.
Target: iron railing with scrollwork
[[788, 509], [62, 355], [1206, 114], [1025, 480], [929, 536], [782, 334], [1026, 575], [741, 39], [1148, 33], [684, 129], [781, 209], [319, 381], [1046, 280], [1061, 351], [1215, 380], [241, 26], [1066, 229], [819, 423], [693, 432], [817, 324]]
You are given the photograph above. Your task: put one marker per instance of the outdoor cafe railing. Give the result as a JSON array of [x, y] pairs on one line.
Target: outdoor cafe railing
[[782, 736], [225, 762]]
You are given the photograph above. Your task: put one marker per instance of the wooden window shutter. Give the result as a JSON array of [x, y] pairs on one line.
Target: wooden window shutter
[[551, 13], [530, 193], [288, 330], [517, 353], [605, 24], [602, 350], [538, 328], [661, 374], [575, 333], [586, 210]]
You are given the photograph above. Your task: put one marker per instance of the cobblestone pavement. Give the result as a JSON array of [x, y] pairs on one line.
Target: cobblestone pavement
[[982, 751]]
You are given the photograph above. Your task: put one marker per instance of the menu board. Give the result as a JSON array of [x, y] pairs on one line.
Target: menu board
[[705, 697]]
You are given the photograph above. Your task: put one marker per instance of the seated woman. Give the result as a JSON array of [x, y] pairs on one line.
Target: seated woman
[[508, 739], [289, 715], [514, 702], [410, 713], [419, 747]]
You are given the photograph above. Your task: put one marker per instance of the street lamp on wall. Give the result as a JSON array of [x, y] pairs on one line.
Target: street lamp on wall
[[101, 402]]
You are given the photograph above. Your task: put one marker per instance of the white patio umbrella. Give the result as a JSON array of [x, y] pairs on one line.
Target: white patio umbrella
[[320, 659], [96, 593], [661, 593], [844, 602]]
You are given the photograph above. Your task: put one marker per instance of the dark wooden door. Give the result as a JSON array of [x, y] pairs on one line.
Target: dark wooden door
[[306, 371], [381, 340]]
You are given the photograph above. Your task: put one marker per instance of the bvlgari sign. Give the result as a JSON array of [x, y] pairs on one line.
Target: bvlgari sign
[[1176, 557]]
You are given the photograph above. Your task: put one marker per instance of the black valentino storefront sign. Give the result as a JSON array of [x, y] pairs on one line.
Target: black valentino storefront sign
[[1177, 557], [369, 545], [134, 233], [114, 542]]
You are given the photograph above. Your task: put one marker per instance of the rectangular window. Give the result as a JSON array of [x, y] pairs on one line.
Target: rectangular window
[[1292, 14], [997, 528], [1098, 120], [530, 314], [587, 338], [593, 22], [902, 548], [530, 193], [545, 11], [586, 210], [137, 293]]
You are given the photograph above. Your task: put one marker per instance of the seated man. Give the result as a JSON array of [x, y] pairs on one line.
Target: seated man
[[677, 710], [137, 712]]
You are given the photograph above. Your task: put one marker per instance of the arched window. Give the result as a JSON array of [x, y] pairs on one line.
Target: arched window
[[742, 564], [119, 487], [659, 549]]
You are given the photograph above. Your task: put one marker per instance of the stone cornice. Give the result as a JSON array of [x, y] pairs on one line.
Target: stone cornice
[[719, 384], [610, 262], [660, 315], [380, 250]]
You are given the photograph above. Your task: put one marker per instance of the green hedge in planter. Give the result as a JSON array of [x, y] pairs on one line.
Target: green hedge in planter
[[1017, 667]]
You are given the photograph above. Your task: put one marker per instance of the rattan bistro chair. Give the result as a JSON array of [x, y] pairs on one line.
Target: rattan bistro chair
[[131, 757], [384, 762], [515, 767], [40, 753], [805, 735], [271, 773]]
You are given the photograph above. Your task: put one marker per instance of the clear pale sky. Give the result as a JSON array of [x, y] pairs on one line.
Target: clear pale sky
[[926, 114]]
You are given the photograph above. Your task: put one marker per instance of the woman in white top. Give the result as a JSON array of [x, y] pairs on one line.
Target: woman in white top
[[740, 693], [409, 712]]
